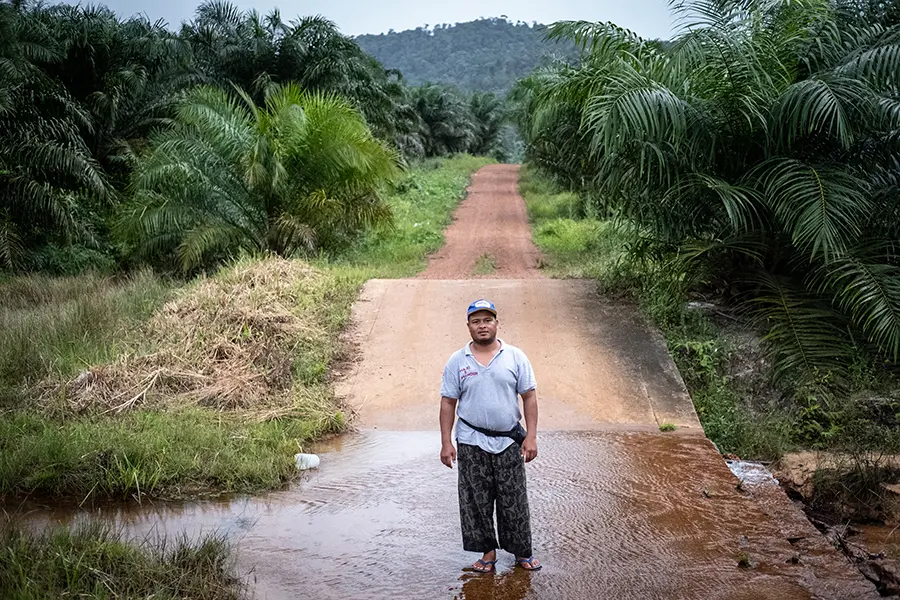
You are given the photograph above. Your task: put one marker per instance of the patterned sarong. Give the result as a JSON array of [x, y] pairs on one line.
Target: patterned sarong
[[487, 479]]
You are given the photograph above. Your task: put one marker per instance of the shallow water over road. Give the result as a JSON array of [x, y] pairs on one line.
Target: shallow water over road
[[615, 515]]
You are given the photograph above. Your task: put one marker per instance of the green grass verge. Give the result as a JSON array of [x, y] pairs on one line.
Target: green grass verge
[[168, 454], [60, 327], [575, 245], [422, 207], [93, 563]]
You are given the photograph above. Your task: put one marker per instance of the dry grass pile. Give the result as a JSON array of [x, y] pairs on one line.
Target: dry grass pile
[[228, 342]]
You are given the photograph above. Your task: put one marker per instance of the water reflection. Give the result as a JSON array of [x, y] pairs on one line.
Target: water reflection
[[511, 585]]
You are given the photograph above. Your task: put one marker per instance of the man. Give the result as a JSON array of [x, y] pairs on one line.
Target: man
[[481, 384]]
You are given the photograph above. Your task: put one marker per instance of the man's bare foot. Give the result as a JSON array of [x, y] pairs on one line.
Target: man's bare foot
[[486, 564], [529, 564]]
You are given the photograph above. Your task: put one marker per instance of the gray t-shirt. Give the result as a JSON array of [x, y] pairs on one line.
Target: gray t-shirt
[[488, 395]]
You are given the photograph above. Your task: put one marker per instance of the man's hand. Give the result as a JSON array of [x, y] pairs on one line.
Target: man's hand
[[529, 447], [448, 454]]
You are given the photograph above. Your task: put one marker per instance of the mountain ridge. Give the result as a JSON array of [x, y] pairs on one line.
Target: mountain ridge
[[487, 54]]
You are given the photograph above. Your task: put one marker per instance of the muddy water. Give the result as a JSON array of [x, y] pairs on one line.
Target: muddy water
[[615, 515], [880, 539]]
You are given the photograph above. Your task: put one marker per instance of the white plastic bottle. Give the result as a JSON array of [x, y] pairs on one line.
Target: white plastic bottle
[[306, 461]]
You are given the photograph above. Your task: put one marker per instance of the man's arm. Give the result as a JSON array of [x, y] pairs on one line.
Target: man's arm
[[448, 415], [530, 408]]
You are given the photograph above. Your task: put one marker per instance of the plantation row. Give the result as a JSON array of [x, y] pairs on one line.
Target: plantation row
[[757, 158], [122, 142]]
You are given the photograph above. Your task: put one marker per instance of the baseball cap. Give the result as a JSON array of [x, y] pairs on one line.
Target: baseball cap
[[481, 304]]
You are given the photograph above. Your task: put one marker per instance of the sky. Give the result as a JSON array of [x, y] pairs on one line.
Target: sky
[[648, 18]]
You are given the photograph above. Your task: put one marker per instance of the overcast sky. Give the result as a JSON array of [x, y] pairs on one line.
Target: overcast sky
[[649, 18]]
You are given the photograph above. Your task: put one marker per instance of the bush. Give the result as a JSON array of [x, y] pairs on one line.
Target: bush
[[864, 459], [73, 260]]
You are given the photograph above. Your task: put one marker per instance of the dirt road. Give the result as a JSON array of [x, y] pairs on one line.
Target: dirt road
[[598, 363], [619, 509], [490, 224]]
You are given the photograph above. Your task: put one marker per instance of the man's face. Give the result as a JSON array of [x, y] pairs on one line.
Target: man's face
[[483, 327]]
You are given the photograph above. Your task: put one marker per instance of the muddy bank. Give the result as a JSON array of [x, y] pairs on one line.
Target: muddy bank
[[852, 502]]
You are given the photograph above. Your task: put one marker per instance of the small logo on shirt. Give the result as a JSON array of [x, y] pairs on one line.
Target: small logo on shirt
[[467, 372]]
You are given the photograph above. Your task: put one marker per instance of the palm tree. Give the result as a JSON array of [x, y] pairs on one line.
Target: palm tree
[[46, 168], [447, 122], [761, 149], [405, 128], [300, 172], [126, 74], [487, 112], [254, 52], [884, 13], [549, 119]]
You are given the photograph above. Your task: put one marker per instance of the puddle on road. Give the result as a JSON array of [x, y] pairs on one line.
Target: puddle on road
[[615, 515]]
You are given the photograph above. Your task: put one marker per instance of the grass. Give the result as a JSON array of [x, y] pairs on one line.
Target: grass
[[59, 326], [725, 408], [228, 383], [134, 388], [144, 453], [92, 562], [577, 245], [485, 265], [422, 207], [573, 244], [664, 427]]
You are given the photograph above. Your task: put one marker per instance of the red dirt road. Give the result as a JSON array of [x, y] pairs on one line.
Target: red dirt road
[[620, 509], [491, 222]]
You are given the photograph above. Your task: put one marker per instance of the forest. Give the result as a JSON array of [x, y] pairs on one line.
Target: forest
[[485, 55], [124, 142]]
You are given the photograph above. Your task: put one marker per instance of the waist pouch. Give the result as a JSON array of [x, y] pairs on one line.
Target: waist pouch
[[517, 433]]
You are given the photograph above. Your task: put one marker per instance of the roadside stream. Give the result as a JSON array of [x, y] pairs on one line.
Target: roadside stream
[[615, 514]]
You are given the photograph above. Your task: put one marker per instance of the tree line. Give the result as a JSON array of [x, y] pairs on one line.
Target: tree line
[[483, 55], [122, 141], [757, 154]]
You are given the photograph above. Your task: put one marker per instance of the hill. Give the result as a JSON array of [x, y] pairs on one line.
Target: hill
[[487, 54]]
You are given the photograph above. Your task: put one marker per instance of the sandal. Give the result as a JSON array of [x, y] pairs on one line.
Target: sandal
[[487, 566], [529, 564]]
